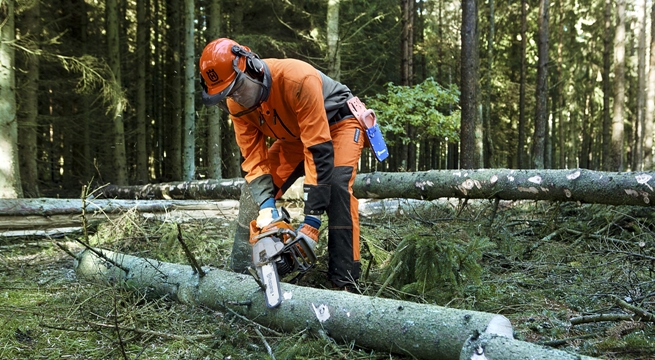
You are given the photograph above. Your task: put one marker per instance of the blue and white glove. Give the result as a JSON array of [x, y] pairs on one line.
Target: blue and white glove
[[267, 213]]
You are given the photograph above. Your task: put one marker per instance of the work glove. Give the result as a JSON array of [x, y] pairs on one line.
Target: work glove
[[267, 213], [308, 230]]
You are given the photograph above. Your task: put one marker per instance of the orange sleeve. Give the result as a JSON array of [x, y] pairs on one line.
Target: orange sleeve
[[252, 143], [317, 143]]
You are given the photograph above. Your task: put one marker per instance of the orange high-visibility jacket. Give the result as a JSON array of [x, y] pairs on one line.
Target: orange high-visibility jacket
[[295, 111]]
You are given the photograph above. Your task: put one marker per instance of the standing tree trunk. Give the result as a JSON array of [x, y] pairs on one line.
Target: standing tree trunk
[[173, 132], [607, 51], [560, 104], [650, 99], [406, 74], [616, 157], [638, 156], [333, 53], [215, 141], [141, 48], [10, 186], [113, 42], [541, 112], [29, 95], [487, 119], [189, 167], [469, 84], [522, 83]]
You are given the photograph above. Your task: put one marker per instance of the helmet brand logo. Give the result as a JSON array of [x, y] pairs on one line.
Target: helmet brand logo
[[212, 75]]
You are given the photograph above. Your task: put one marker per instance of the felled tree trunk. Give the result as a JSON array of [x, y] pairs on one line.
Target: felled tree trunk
[[51, 213], [629, 188], [197, 189], [494, 347], [587, 186], [424, 331]]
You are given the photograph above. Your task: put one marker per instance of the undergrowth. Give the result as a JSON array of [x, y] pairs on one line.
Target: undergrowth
[[542, 265]]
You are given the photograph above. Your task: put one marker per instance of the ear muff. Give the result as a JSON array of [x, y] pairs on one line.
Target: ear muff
[[254, 65]]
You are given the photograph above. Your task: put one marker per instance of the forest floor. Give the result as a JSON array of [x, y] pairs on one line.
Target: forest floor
[[540, 264]]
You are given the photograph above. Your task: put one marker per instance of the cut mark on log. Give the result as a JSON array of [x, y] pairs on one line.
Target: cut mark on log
[[287, 295], [574, 175], [322, 312], [644, 179], [567, 192], [510, 178], [631, 192], [535, 179], [493, 179], [421, 184], [531, 189], [500, 326]]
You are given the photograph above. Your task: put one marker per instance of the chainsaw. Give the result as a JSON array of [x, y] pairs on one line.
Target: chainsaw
[[277, 251]]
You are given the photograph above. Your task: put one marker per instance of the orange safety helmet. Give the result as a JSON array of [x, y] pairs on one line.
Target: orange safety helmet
[[218, 69]]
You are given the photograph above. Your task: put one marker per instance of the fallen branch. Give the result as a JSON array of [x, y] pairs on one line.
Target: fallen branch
[[599, 318], [268, 347], [643, 315], [155, 333]]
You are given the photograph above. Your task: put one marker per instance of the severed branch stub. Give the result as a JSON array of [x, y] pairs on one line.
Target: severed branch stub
[[192, 259]]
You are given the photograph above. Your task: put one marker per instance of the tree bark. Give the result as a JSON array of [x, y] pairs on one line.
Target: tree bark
[[616, 150], [189, 158], [142, 176], [638, 153], [469, 96], [52, 206], [46, 213], [214, 140], [422, 330], [555, 185], [199, 189], [541, 110], [173, 130], [520, 152], [29, 95], [607, 120], [333, 44], [113, 43], [587, 186], [494, 347], [650, 98], [10, 186], [489, 161]]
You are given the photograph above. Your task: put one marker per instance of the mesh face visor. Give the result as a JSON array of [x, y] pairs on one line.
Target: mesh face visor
[[246, 91]]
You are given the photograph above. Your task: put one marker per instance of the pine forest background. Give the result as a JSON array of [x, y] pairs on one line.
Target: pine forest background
[[108, 90]]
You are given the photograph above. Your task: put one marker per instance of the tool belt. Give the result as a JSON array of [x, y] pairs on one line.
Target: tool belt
[[368, 120]]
